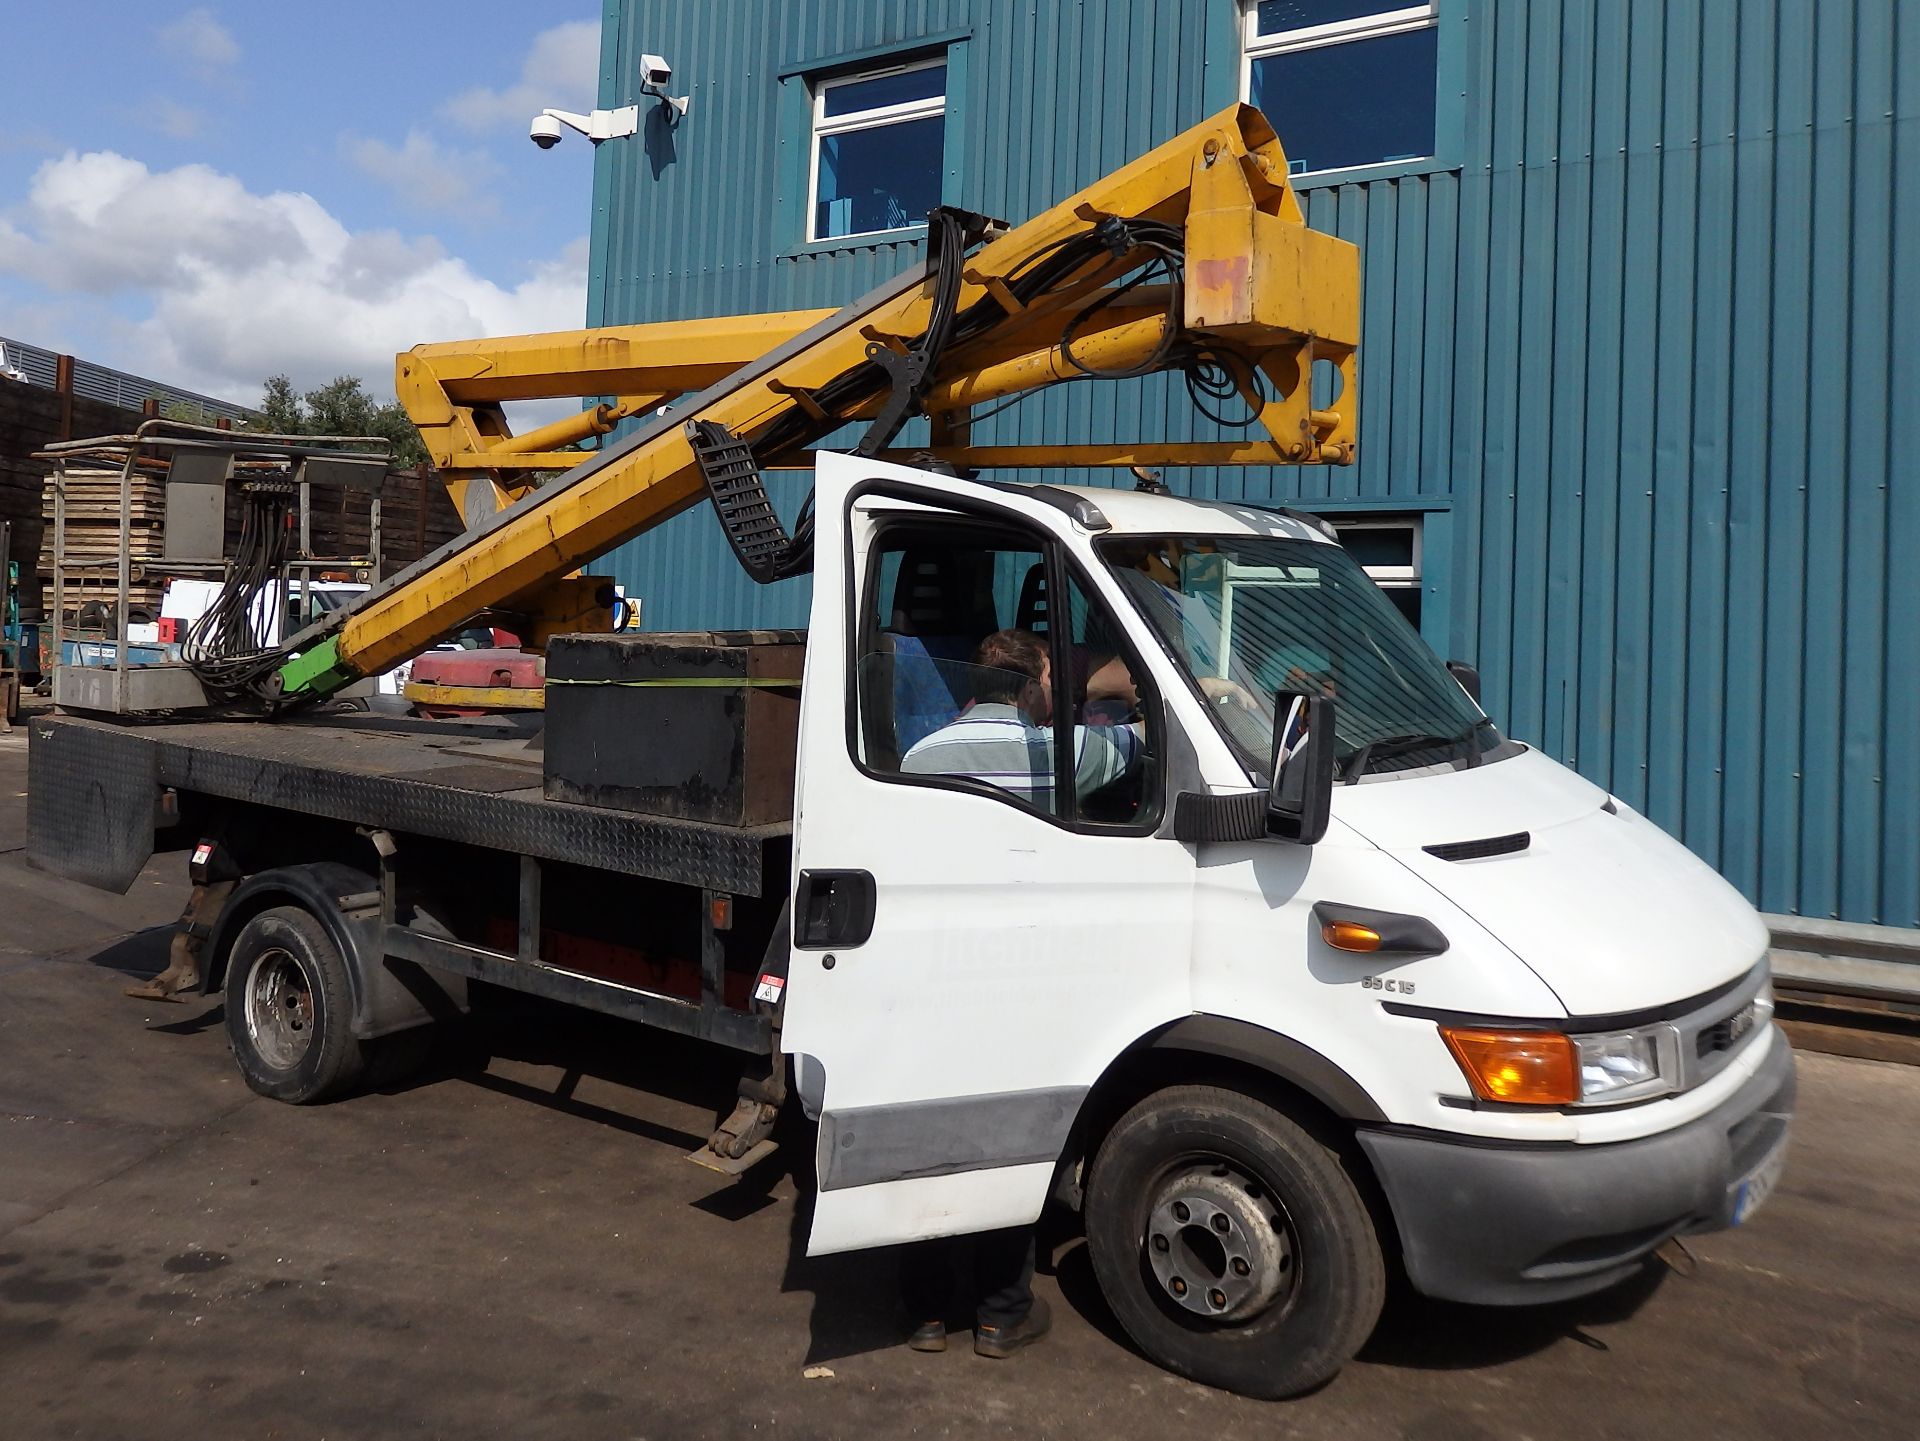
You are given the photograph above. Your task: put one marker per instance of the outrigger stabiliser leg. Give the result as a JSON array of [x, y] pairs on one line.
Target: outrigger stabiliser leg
[[745, 1137]]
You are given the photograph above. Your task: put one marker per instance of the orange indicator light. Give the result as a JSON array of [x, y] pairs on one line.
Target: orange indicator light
[[1350, 936], [1526, 1067]]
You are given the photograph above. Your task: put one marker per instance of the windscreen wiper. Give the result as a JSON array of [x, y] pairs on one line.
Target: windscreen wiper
[[1387, 747]]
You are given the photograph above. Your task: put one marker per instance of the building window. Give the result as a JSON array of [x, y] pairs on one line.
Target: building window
[[1344, 82], [878, 139], [1388, 549]]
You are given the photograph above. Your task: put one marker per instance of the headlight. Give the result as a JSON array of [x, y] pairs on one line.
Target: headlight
[[1602, 1068], [1625, 1065], [1549, 1068]]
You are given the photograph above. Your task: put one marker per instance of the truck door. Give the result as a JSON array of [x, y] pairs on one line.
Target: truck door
[[985, 912]]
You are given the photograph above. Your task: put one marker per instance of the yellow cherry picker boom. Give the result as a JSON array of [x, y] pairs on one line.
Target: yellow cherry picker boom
[[1194, 257]]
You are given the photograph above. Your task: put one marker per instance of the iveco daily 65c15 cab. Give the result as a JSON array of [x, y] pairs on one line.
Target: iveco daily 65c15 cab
[[1265, 947]]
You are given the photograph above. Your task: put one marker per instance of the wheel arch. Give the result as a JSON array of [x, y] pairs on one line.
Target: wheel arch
[[1204, 1048], [1298, 1065], [388, 995]]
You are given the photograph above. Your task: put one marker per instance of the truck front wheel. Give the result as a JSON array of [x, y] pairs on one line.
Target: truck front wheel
[[289, 1011], [1231, 1244]]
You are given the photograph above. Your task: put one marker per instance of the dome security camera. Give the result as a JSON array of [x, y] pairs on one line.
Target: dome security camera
[[549, 125]]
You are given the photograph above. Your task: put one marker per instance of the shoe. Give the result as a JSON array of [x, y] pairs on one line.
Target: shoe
[[931, 1336], [1000, 1342]]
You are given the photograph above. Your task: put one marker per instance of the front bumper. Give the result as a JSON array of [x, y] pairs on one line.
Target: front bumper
[[1519, 1224]]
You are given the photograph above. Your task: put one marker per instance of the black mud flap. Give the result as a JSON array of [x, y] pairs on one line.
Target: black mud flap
[[91, 793]]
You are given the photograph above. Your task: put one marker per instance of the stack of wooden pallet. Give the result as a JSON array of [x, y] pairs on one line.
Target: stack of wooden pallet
[[31, 417], [93, 534], [416, 516]]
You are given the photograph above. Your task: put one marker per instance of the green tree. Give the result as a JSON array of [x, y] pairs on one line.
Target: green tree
[[280, 412], [340, 407]]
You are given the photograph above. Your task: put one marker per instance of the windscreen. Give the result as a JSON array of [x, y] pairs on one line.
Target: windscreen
[[1249, 617]]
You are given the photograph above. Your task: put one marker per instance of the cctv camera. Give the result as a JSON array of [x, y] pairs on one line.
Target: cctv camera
[[544, 131], [655, 71]]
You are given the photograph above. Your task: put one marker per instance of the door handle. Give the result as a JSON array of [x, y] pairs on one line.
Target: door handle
[[833, 908]]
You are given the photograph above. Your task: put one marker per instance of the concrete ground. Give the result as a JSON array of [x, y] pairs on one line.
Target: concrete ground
[[513, 1246]]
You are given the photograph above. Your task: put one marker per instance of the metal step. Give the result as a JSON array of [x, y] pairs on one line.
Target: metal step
[[732, 1165]]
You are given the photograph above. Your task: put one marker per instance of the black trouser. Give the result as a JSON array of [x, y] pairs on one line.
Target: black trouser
[[995, 1266]]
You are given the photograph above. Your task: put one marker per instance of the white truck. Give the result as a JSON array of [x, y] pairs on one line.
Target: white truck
[[1323, 976]]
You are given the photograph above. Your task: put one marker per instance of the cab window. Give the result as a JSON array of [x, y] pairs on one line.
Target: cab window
[[970, 674]]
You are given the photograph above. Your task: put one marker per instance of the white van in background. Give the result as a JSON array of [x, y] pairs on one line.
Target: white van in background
[[306, 601]]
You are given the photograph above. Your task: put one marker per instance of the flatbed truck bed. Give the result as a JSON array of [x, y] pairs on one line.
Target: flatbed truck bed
[[457, 845]]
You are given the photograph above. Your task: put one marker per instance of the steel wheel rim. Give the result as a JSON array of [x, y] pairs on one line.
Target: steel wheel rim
[[1218, 1244], [279, 1008]]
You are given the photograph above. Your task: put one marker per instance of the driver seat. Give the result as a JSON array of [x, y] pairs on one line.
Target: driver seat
[[942, 608]]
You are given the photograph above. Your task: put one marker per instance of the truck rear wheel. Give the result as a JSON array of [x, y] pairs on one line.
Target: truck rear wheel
[[1231, 1244], [289, 1009]]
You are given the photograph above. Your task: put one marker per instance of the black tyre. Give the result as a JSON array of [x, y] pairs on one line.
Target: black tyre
[[1232, 1245], [289, 1009]]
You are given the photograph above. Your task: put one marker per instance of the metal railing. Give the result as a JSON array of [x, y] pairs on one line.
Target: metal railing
[[103, 678], [113, 387], [1844, 958]]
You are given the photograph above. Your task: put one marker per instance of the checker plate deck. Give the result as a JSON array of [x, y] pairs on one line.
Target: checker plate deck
[[459, 785]]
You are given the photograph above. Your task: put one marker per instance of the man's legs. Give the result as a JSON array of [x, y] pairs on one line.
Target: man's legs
[[999, 1269], [1010, 1316], [926, 1289], [1003, 1276], [926, 1278]]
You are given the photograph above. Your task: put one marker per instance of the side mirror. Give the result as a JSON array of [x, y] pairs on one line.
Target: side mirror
[[1300, 800], [1468, 677]]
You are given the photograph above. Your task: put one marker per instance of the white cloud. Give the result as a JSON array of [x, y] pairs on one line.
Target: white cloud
[[198, 37], [227, 286], [427, 176], [562, 70]]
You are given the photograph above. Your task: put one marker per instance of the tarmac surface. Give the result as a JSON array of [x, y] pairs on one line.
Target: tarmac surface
[[513, 1245]]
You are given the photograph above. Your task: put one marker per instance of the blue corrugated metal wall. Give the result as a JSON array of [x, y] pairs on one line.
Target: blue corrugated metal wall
[[1648, 335]]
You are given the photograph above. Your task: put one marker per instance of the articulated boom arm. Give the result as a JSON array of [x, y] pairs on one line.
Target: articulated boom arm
[[453, 391], [1195, 257]]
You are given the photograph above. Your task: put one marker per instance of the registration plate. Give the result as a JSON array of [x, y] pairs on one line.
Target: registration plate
[[1752, 1192]]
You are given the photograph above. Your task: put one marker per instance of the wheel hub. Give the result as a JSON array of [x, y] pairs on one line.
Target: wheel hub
[[279, 1009], [1218, 1243]]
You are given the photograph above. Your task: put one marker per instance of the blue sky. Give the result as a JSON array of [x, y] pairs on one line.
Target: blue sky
[[208, 193]]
